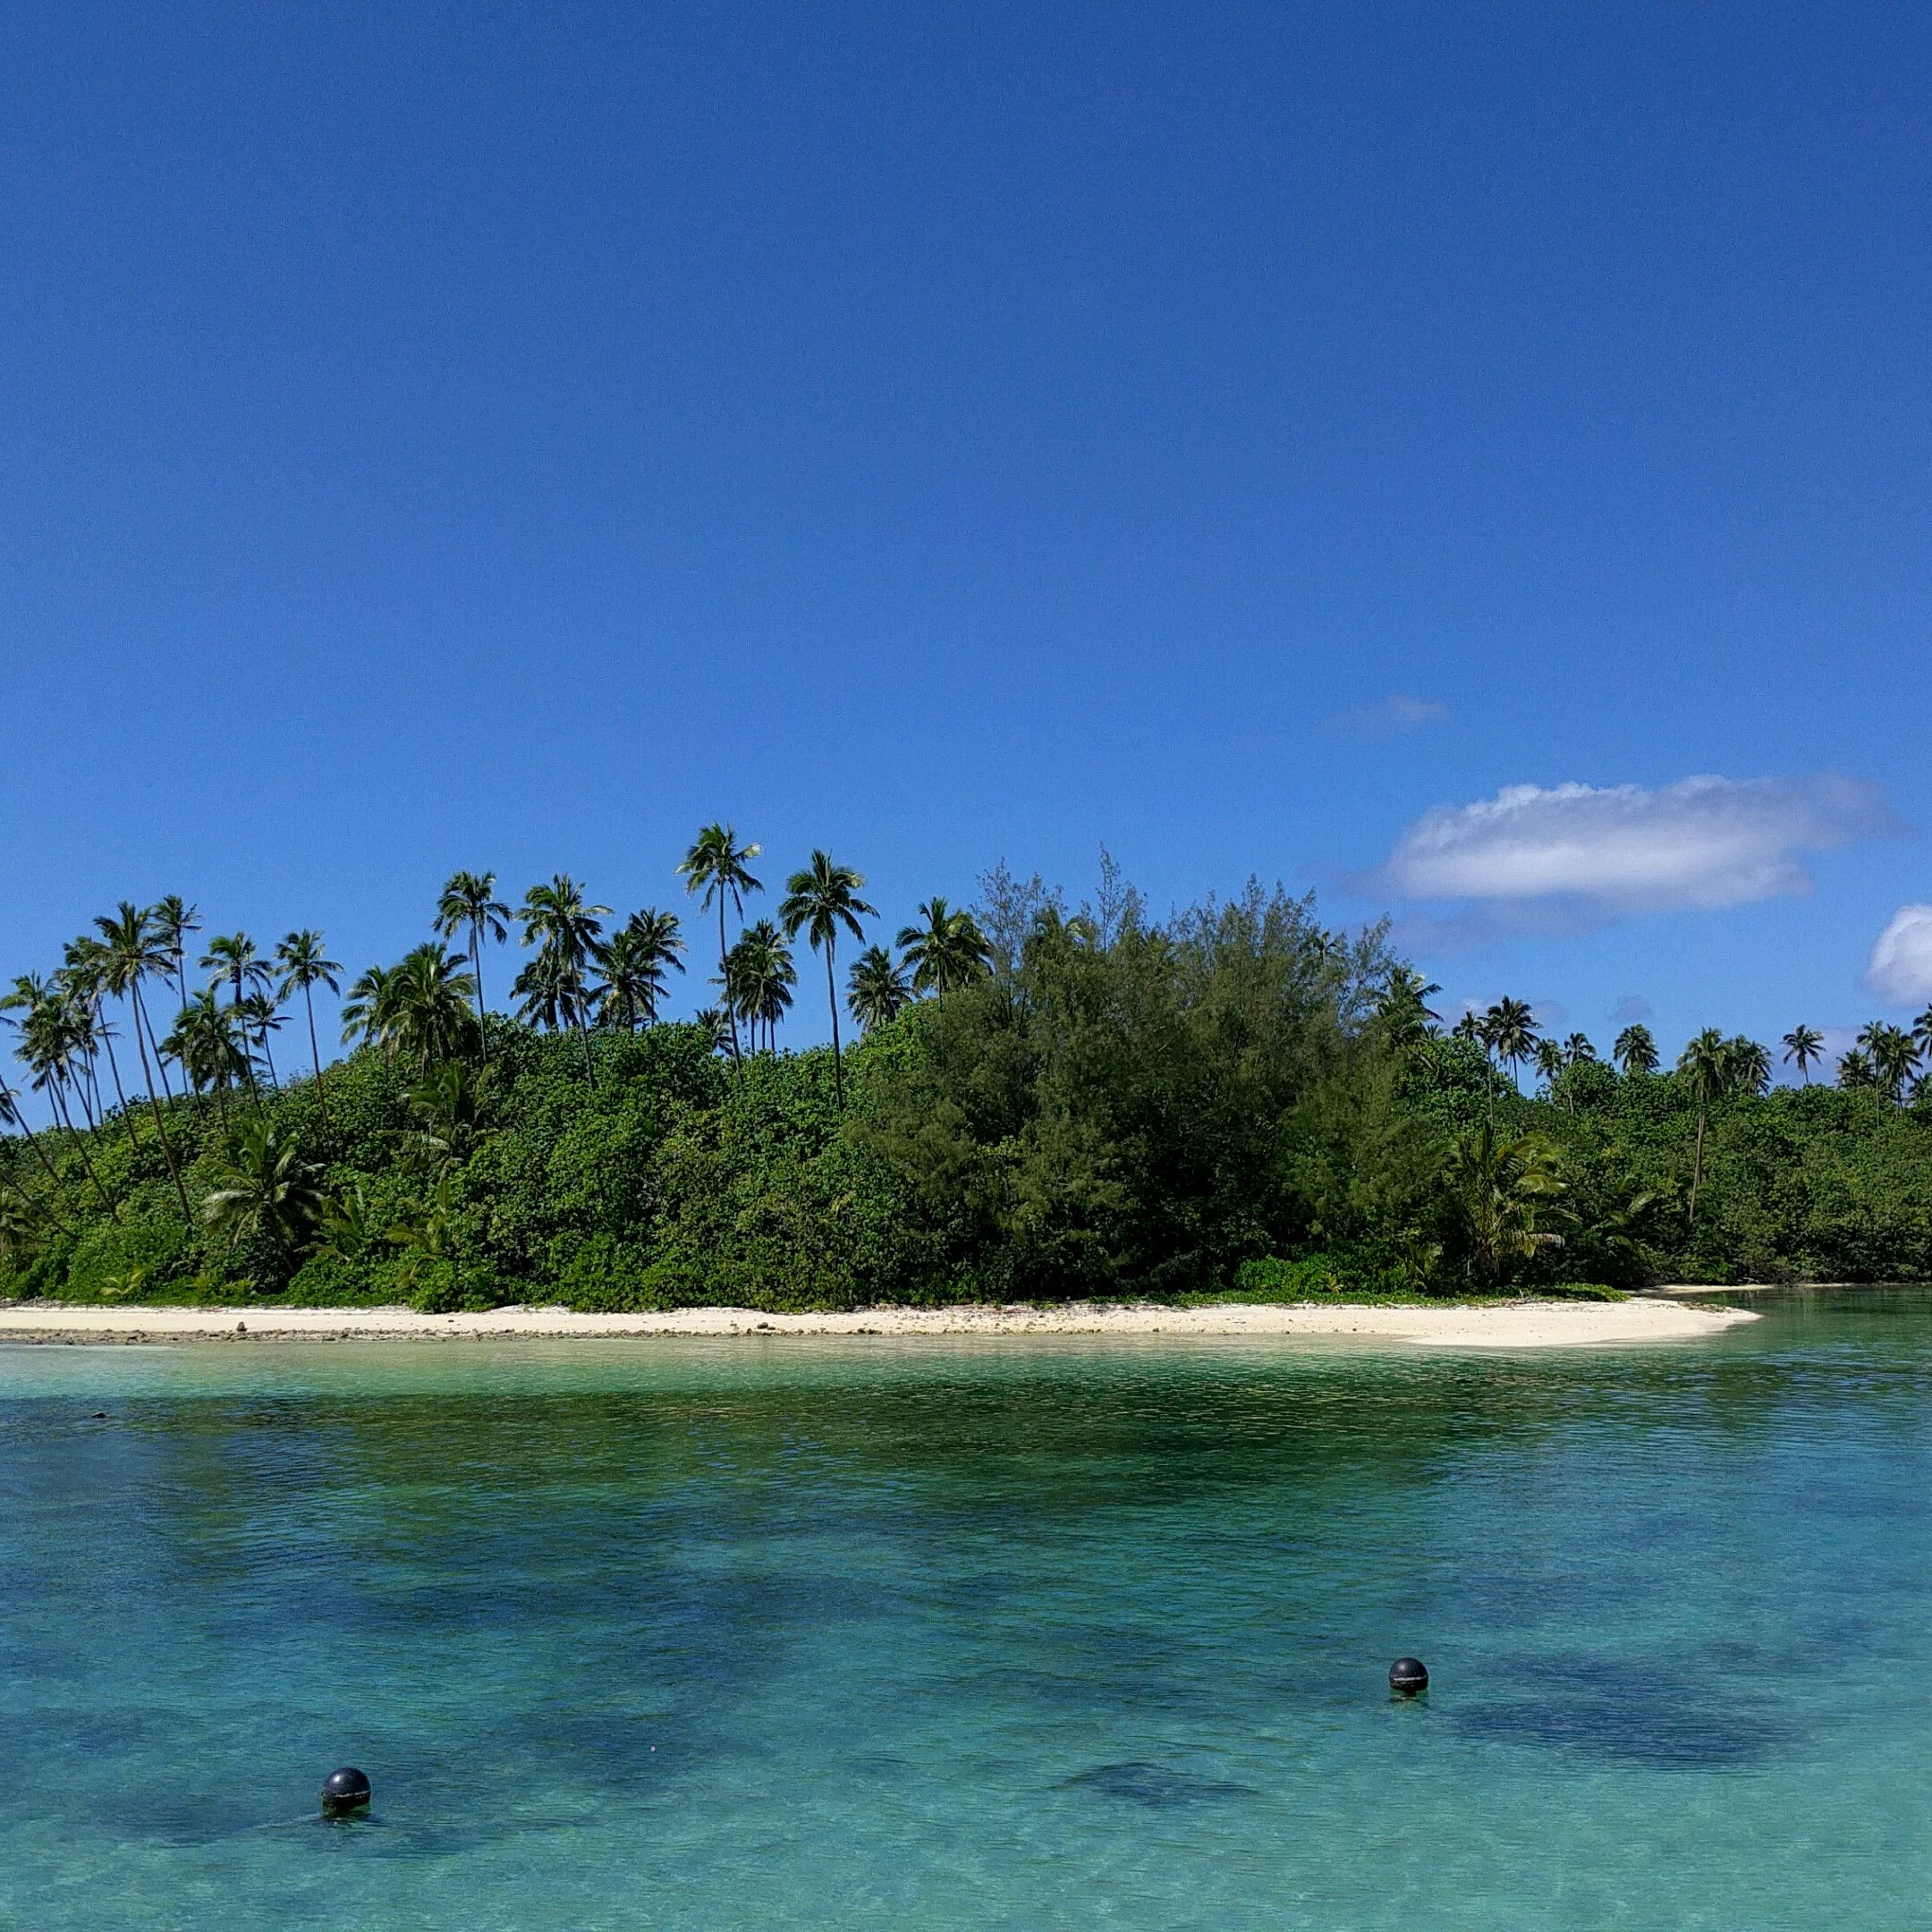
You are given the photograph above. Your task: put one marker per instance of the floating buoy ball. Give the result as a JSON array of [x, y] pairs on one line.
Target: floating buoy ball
[[345, 1790], [1407, 1676]]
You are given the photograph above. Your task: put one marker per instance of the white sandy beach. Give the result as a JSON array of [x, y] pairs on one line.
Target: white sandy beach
[[1513, 1326]]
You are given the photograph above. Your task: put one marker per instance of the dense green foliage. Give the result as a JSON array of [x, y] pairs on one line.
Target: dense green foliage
[[1043, 1104]]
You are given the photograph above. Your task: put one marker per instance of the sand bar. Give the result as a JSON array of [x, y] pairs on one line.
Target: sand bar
[[1516, 1325], [1764, 1287]]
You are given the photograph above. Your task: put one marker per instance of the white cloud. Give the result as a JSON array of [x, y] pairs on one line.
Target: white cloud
[[1701, 842], [1900, 969], [1400, 711]]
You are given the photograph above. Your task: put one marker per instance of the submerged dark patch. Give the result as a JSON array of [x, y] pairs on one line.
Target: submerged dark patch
[[1157, 1786], [1609, 1709]]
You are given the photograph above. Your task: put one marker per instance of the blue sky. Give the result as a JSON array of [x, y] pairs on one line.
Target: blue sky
[[1250, 437]]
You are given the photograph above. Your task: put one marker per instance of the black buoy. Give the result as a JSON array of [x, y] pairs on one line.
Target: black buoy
[[1407, 1675], [345, 1790]]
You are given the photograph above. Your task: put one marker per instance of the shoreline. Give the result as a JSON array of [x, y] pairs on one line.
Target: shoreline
[[1516, 1325], [1761, 1287]]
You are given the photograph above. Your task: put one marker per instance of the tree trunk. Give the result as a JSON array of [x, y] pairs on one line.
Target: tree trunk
[[730, 1005], [113, 1067], [181, 1193], [160, 1065], [314, 1054], [60, 1105], [476, 967], [1697, 1164], [247, 1052], [40, 1153], [831, 986], [38, 1207]]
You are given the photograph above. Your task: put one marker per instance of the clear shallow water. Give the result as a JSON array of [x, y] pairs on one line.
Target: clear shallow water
[[944, 1634]]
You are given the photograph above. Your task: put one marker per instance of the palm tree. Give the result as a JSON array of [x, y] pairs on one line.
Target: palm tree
[[946, 952], [876, 989], [350, 1225], [1401, 1007], [1710, 1062], [468, 904], [27, 994], [261, 1014], [1803, 1045], [1750, 1065], [1554, 1060], [83, 976], [549, 992], [1855, 1069], [719, 867], [205, 1044], [48, 1047], [1921, 1031], [429, 1229], [426, 999], [1635, 1049], [22, 1228], [304, 968], [660, 938], [620, 999], [819, 900], [174, 920], [53, 1046], [364, 1014], [633, 963], [1913, 1084], [1895, 1054], [1403, 1001], [135, 949], [716, 1026], [11, 1116], [80, 1032], [759, 978], [266, 1188], [1512, 1031], [1508, 1032], [1871, 1037], [447, 1105], [234, 962], [1498, 1189], [556, 918], [22, 1235], [770, 981]]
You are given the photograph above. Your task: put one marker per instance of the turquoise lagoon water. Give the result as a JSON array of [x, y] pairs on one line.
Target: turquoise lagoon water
[[874, 1633]]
